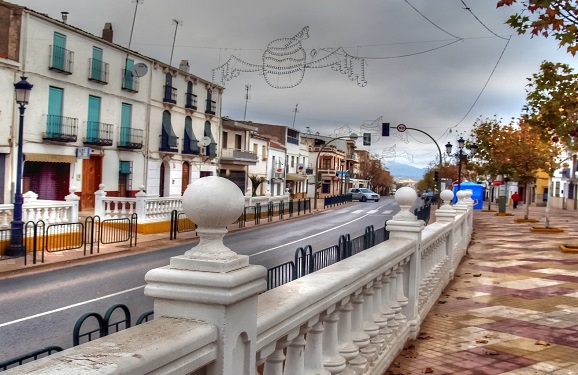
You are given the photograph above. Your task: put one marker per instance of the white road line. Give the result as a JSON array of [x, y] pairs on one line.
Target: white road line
[[371, 212], [69, 306], [387, 212], [357, 211], [306, 238]]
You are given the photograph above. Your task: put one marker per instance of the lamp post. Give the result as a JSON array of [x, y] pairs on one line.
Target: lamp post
[[351, 136], [460, 153], [17, 246]]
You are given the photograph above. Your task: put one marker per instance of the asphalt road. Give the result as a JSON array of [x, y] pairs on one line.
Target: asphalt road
[[40, 310]]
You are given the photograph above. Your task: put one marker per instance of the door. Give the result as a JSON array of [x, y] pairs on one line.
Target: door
[[128, 80], [185, 177], [93, 119], [125, 124], [58, 51], [91, 178], [96, 69]]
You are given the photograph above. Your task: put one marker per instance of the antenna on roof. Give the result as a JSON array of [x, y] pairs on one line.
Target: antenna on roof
[[295, 115], [247, 89], [177, 23], [133, 20]]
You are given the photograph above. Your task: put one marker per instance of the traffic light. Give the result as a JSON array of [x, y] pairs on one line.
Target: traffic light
[[367, 139], [385, 129], [436, 176]]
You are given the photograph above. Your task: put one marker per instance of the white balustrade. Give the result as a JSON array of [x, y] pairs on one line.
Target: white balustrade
[[352, 317]]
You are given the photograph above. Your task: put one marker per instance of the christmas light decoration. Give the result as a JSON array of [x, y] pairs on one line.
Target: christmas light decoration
[[285, 61]]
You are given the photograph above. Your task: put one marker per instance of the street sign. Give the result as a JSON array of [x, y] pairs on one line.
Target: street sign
[[401, 128]]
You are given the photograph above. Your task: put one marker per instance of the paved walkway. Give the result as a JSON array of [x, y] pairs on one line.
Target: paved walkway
[[512, 307]]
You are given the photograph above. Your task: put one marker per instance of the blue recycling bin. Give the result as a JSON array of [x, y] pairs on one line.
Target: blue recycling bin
[[477, 193]]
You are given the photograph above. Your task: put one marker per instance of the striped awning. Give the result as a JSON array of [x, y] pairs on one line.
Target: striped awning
[[50, 158]]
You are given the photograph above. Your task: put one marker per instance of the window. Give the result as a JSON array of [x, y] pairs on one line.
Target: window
[[98, 69], [129, 82], [190, 99], [191, 144], [255, 148], [292, 161], [225, 139], [238, 142], [170, 92], [169, 141], [264, 152], [211, 104], [61, 59]]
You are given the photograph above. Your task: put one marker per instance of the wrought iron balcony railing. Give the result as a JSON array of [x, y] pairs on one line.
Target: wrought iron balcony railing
[[60, 129], [170, 95], [98, 134], [130, 82], [61, 60], [168, 143], [97, 71], [191, 101], [211, 107], [130, 138]]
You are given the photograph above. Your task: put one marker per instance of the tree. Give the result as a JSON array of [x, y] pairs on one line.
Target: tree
[[372, 170], [552, 103], [558, 18], [513, 150], [255, 182]]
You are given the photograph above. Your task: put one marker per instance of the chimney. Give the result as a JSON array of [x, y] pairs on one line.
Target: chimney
[[107, 32], [64, 17], [184, 65]]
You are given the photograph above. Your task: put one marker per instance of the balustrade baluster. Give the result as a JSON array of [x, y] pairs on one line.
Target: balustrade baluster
[[395, 306], [360, 337], [401, 297], [65, 213], [107, 209], [274, 363], [57, 215], [314, 351], [332, 360], [116, 211], [5, 214], [369, 325], [386, 310], [346, 347], [378, 317], [123, 208], [295, 361]]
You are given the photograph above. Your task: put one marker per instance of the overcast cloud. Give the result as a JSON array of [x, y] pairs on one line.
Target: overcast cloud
[[430, 91]]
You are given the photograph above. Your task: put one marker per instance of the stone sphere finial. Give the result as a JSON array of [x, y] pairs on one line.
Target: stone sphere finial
[[406, 197], [461, 195], [447, 196], [212, 203], [101, 186]]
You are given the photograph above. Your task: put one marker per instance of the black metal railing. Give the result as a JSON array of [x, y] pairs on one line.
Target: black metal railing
[[180, 223], [190, 100], [335, 200], [306, 261], [130, 82], [97, 71], [29, 357], [130, 138], [170, 94], [168, 143], [211, 107], [98, 134], [61, 60], [60, 129]]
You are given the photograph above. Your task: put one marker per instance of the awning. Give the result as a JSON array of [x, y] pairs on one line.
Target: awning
[[295, 177], [50, 158]]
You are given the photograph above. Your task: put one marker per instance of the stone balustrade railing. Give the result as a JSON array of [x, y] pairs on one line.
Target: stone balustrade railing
[[214, 316], [49, 211]]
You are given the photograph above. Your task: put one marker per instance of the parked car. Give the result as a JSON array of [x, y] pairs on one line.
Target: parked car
[[363, 194]]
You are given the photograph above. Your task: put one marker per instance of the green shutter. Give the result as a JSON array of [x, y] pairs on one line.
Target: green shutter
[[58, 51], [128, 81], [54, 118], [93, 120], [125, 124], [96, 70]]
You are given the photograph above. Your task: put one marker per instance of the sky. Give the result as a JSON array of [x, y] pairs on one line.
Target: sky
[[436, 66]]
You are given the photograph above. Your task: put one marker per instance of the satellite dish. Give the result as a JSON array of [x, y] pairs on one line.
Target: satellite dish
[[205, 141], [139, 70]]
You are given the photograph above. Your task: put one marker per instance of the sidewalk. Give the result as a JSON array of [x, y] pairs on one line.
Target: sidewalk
[[512, 307], [145, 243]]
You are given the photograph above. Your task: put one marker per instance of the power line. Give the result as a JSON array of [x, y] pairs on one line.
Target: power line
[[481, 23], [430, 21]]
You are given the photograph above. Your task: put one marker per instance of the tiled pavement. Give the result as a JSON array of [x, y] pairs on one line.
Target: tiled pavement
[[512, 307]]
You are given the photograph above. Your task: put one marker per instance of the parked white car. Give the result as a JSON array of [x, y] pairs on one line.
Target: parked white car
[[363, 194]]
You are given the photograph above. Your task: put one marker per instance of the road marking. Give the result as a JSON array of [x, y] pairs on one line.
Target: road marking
[[69, 306], [357, 211], [387, 212], [371, 212], [306, 238]]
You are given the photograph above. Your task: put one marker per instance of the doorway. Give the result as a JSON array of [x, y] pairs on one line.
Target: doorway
[[91, 178]]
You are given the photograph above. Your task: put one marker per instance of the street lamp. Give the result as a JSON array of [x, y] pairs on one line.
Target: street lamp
[[460, 153], [351, 136], [17, 247]]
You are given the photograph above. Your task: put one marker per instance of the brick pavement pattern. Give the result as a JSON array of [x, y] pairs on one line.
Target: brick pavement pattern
[[512, 307]]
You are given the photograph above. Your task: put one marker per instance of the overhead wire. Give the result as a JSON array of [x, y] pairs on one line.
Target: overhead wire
[[430, 21]]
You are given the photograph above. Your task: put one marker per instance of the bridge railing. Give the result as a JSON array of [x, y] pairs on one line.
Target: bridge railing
[[214, 315]]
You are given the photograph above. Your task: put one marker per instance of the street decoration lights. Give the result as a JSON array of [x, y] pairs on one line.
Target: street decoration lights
[[16, 247], [460, 154]]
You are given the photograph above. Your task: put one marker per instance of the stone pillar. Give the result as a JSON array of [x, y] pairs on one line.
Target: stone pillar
[[406, 225], [74, 200], [210, 282], [141, 203], [98, 203], [447, 214]]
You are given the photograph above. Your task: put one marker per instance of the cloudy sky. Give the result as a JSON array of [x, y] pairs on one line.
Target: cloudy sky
[[432, 65]]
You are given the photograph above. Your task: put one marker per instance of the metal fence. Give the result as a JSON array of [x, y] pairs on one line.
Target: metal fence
[[254, 214], [29, 357], [40, 238], [423, 212], [337, 200], [306, 261]]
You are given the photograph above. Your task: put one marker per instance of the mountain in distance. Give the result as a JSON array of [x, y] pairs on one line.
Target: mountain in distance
[[401, 171]]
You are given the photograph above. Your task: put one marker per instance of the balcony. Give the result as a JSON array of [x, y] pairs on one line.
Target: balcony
[[60, 129], [191, 101], [211, 107], [97, 71], [234, 156], [168, 143], [61, 60], [130, 138], [170, 95], [292, 140], [98, 134], [130, 82]]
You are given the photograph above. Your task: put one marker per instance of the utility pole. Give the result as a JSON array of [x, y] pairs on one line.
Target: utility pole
[[177, 23], [295, 115], [247, 89]]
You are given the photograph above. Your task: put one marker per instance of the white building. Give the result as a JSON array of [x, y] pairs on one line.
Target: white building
[[100, 113]]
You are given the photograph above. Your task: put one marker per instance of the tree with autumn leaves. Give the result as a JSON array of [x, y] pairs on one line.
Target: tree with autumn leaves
[[379, 179], [557, 18], [513, 150]]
